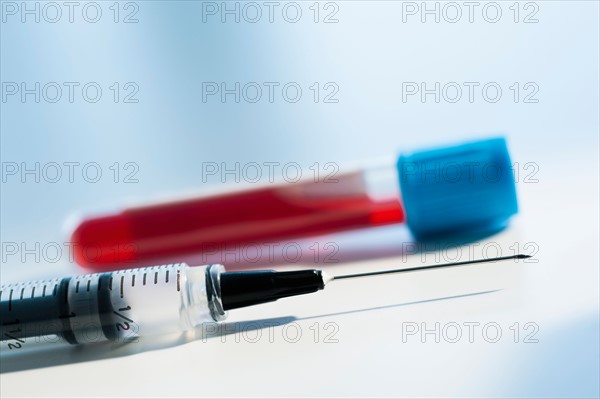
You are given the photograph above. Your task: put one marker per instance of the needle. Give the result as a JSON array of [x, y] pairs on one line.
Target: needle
[[419, 268], [241, 289]]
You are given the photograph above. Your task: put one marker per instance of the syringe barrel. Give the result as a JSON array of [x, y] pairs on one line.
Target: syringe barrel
[[117, 306]]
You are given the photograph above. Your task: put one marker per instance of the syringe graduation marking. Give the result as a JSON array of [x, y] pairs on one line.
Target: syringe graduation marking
[[65, 290], [120, 315]]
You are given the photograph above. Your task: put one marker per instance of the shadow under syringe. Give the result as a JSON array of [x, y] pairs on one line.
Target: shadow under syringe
[[57, 354]]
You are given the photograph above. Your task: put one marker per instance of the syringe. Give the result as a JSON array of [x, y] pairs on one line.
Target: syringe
[[126, 304]]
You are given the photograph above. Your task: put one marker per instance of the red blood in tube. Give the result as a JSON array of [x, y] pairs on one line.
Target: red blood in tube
[[265, 214]]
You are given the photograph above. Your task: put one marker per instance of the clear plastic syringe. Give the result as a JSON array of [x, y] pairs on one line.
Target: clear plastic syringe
[[126, 304]]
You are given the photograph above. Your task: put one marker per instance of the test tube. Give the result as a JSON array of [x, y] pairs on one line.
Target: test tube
[[460, 189]]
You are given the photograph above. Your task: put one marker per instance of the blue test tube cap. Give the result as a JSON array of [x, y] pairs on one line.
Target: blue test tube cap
[[459, 190]]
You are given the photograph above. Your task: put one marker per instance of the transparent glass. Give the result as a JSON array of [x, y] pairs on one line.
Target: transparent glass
[[116, 306]]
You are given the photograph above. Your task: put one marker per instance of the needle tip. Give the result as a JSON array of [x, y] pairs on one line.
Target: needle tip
[[523, 256]]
